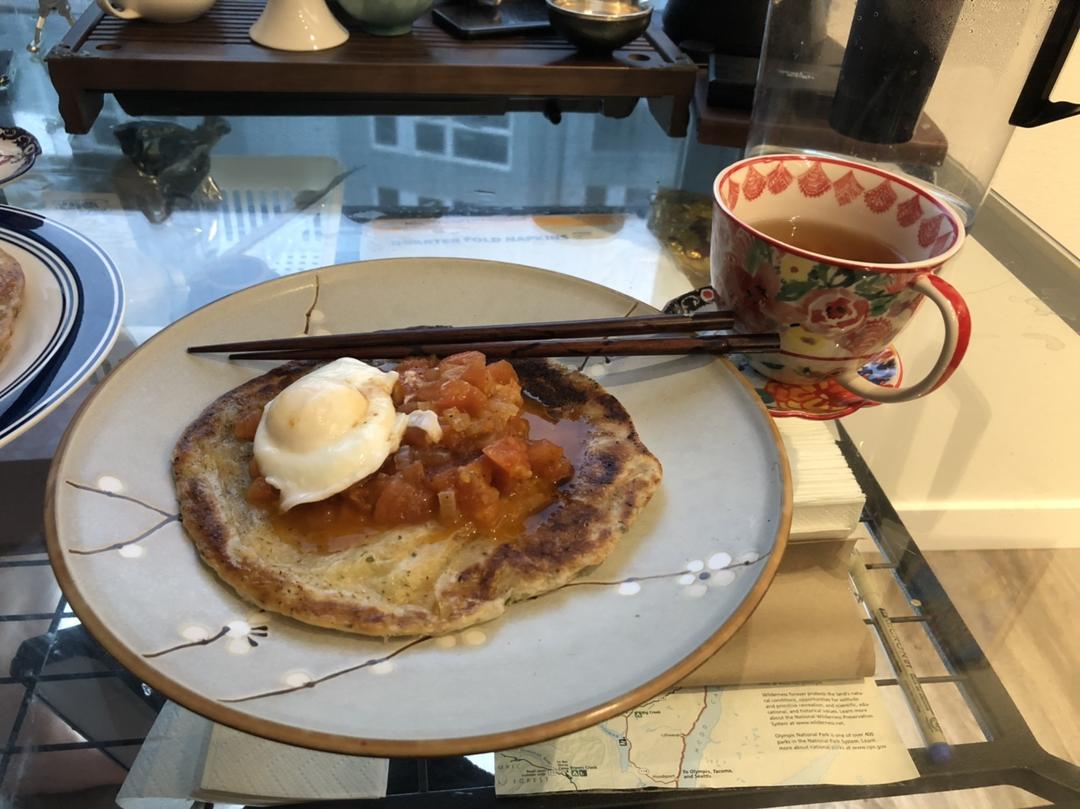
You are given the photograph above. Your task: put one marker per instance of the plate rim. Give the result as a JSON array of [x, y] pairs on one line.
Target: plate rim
[[37, 412], [70, 298], [393, 748]]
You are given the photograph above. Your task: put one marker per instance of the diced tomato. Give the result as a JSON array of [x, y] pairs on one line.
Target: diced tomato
[[361, 498], [462, 358], [245, 426], [444, 479], [379, 480], [548, 461], [460, 394], [518, 426], [503, 373], [477, 499], [511, 459], [435, 459], [469, 366], [403, 502], [414, 473], [402, 459], [509, 392], [418, 364], [511, 455], [418, 379]]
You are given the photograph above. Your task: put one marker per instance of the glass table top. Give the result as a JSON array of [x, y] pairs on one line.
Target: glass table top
[[971, 492]]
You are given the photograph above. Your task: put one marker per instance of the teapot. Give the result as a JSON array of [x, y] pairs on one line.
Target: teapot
[[157, 10]]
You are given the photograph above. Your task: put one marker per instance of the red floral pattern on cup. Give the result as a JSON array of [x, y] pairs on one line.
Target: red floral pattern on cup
[[847, 189], [750, 298], [815, 181], [779, 179], [733, 194], [898, 282], [902, 307], [910, 212], [832, 312], [753, 183], [738, 250], [928, 230], [868, 338], [944, 242], [751, 282], [880, 198]]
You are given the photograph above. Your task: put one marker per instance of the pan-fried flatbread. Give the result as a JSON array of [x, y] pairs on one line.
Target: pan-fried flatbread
[[413, 579], [11, 296]]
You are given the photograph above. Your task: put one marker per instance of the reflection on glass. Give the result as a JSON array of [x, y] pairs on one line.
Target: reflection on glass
[[481, 146], [386, 131]]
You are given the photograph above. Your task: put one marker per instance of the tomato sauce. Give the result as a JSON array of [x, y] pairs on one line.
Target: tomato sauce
[[500, 460]]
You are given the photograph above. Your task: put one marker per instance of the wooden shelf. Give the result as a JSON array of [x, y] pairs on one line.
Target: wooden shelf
[[211, 66]]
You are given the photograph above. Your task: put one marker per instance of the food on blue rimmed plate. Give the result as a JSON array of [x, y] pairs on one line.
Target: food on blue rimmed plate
[[12, 283], [412, 499]]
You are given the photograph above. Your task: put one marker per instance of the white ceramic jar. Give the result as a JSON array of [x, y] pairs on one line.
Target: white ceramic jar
[[298, 25]]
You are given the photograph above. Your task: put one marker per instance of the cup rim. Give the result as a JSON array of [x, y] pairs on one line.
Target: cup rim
[[866, 266]]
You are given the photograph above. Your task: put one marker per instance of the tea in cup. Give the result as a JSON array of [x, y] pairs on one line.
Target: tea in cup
[[836, 256]]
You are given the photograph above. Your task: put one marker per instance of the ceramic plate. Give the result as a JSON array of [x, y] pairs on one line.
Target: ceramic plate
[[682, 580], [69, 321], [49, 307], [18, 152]]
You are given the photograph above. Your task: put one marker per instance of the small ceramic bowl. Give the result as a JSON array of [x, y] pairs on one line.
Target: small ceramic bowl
[[386, 18], [600, 25]]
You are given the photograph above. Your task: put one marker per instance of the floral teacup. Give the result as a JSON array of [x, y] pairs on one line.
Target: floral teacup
[[834, 314]]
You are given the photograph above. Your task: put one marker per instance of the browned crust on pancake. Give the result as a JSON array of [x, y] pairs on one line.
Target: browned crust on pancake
[[612, 483], [11, 296]]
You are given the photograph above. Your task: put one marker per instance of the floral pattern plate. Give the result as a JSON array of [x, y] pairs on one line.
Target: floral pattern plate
[[18, 151], [677, 586], [819, 401]]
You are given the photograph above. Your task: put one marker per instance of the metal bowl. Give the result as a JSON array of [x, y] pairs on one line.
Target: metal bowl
[[600, 25]]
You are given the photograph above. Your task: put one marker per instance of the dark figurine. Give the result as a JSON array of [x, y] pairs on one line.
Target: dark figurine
[[176, 160]]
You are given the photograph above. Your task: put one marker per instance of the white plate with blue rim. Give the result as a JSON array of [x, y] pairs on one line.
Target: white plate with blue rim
[[684, 577], [73, 303]]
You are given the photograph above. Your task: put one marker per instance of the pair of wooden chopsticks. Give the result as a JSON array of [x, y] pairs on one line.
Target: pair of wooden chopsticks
[[649, 335]]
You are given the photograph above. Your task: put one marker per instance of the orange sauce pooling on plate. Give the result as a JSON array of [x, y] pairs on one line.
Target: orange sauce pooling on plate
[[500, 460]]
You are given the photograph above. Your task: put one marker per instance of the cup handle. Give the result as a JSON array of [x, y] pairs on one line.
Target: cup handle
[[954, 312], [122, 13]]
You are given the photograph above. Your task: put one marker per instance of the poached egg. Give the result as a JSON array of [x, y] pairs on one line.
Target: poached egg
[[332, 428]]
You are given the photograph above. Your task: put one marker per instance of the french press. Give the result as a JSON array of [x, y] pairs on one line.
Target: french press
[[929, 88]]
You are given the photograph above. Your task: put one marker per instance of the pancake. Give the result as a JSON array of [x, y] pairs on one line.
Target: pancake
[[11, 297], [414, 579]]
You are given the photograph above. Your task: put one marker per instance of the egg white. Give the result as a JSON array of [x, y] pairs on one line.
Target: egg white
[[328, 430]]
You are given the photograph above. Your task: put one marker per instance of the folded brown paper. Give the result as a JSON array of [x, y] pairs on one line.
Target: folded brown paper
[[807, 628]]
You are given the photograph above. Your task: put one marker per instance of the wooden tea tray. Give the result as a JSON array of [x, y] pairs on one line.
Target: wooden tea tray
[[211, 66]]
